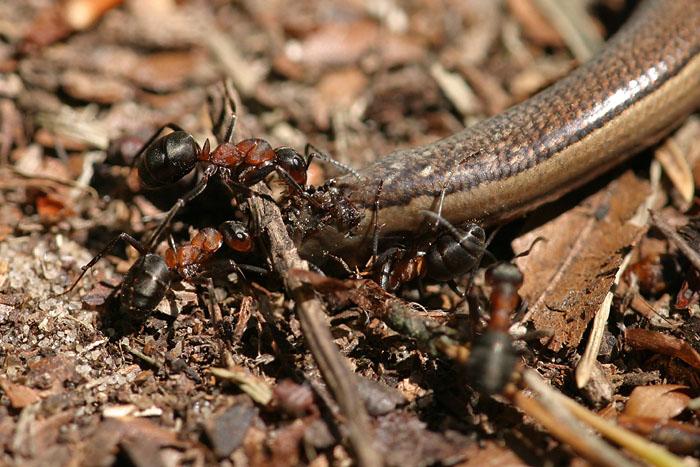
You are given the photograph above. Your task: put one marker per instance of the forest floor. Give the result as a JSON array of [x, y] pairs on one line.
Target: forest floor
[[241, 370]]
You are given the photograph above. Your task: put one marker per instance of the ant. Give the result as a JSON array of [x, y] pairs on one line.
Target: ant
[[454, 252], [493, 357], [164, 160], [148, 280], [322, 206]]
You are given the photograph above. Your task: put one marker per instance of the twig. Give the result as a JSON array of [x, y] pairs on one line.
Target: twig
[[649, 452], [560, 423], [574, 25], [61, 181], [138, 354], [675, 238], [335, 372]]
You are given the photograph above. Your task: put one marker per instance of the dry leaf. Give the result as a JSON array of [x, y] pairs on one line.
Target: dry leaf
[[20, 396], [568, 276], [663, 401]]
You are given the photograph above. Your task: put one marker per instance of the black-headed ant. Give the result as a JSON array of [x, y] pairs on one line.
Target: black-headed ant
[[452, 253], [148, 280], [455, 252], [164, 160], [493, 357]]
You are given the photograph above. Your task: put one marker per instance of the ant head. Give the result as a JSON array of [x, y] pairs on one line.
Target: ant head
[[293, 163], [236, 236], [168, 159], [505, 273]]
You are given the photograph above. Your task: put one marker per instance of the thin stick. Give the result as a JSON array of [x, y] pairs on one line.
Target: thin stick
[[675, 238], [340, 380]]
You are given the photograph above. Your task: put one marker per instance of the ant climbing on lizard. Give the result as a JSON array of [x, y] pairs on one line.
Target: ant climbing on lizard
[[442, 257], [164, 160]]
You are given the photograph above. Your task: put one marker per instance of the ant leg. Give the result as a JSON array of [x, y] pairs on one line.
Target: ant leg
[[441, 202], [122, 236], [296, 187], [318, 154], [230, 108], [227, 266], [230, 184], [375, 222], [338, 260], [171, 243], [214, 310], [150, 141], [532, 245], [196, 191], [231, 129], [316, 269], [221, 103]]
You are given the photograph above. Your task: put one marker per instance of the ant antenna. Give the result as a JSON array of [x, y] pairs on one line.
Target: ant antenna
[[444, 222], [221, 100], [122, 236], [532, 245], [441, 201], [311, 152]]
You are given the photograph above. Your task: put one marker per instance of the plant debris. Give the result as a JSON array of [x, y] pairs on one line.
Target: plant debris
[[253, 356]]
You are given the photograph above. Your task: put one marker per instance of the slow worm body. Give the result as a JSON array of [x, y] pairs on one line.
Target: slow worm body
[[643, 83]]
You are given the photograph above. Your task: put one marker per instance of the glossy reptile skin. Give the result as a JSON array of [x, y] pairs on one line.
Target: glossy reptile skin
[[641, 85]]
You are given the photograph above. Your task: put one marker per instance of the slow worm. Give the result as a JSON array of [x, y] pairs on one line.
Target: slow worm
[[642, 84]]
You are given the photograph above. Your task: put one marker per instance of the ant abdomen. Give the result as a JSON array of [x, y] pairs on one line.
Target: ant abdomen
[[168, 160], [144, 285], [451, 257], [491, 363]]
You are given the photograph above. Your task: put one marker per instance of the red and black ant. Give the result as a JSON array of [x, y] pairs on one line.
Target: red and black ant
[[493, 357], [452, 253], [455, 252], [164, 160], [148, 279]]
